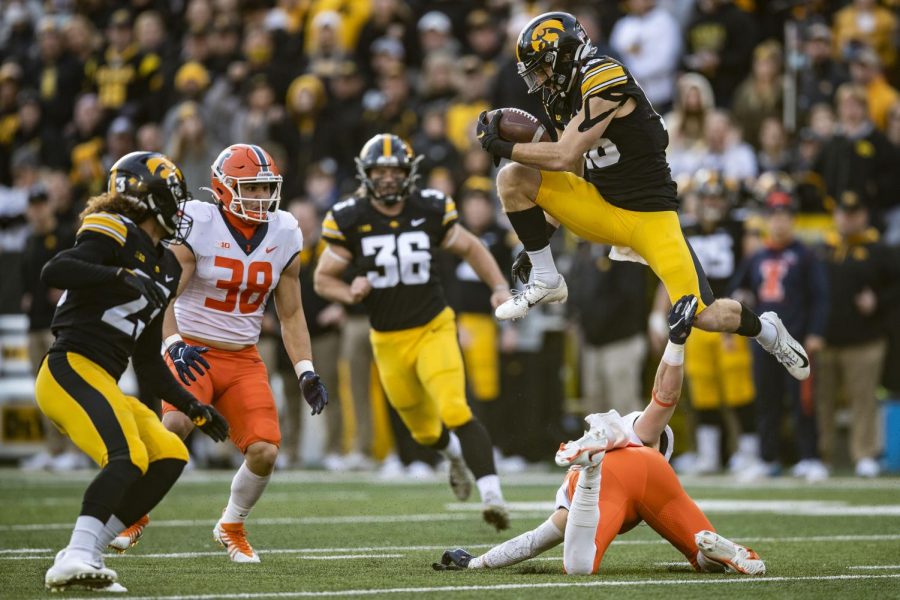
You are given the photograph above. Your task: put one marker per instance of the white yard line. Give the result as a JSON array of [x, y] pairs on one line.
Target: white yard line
[[873, 567], [518, 586], [25, 550]]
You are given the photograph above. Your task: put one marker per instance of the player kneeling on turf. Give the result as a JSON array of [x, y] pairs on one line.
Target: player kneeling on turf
[[630, 456]]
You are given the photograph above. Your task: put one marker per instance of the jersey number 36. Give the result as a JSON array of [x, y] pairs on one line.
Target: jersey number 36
[[404, 258]]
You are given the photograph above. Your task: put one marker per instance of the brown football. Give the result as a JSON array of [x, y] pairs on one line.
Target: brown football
[[519, 126]]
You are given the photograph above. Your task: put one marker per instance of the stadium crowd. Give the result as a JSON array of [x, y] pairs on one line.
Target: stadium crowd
[[784, 127]]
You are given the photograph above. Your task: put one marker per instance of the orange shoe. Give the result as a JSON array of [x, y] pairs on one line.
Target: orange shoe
[[234, 539], [130, 536]]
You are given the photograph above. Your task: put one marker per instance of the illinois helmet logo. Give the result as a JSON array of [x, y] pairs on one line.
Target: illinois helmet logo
[[546, 34]]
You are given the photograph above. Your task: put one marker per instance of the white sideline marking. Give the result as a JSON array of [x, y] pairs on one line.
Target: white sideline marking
[[875, 567], [516, 586], [818, 508], [347, 556], [25, 550], [436, 547]]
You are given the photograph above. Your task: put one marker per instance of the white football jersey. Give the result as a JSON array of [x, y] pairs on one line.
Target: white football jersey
[[226, 297], [623, 429]]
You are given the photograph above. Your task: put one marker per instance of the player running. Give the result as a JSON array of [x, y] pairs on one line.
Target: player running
[[630, 456], [607, 180], [117, 280], [240, 250], [389, 234]]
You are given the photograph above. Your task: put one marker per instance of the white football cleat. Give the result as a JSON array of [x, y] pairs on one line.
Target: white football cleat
[[113, 588], [535, 292], [734, 557], [867, 467], [233, 538], [129, 536], [68, 571], [786, 350], [587, 451], [460, 479]]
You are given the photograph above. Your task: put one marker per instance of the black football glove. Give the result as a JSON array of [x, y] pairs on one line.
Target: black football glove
[[681, 319], [521, 267], [453, 560], [145, 286], [185, 358], [488, 131], [208, 420], [314, 392]]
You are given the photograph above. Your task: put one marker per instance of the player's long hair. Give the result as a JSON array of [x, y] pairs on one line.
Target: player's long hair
[[115, 204]]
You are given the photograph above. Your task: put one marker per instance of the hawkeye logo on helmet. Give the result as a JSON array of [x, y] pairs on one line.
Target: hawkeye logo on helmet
[[546, 34], [162, 166]]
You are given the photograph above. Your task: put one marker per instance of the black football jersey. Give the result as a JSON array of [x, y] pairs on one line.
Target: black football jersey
[[629, 165], [719, 250], [396, 254], [104, 322]]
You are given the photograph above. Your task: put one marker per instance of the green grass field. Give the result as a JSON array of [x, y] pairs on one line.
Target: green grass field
[[325, 535]]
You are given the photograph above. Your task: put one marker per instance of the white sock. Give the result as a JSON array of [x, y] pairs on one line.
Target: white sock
[[748, 444], [111, 529], [708, 437], [453, 450], [246, 489], [542, 266], [528, 545], [580, 548], [709, 566], [767, 335], [84, 541], [489, 489]]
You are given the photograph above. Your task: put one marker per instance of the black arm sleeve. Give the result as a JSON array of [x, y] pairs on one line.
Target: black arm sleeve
[[152, 372], [83, 266]]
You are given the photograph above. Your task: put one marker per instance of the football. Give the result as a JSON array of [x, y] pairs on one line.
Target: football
[[519, 126]]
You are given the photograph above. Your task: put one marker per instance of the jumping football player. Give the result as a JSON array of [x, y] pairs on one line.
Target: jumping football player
[[117, 280], [241, 249], [607, 180], [630, 456], [389, 233]]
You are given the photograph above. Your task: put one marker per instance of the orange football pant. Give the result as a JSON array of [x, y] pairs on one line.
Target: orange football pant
[[637, 484], [237, 385]]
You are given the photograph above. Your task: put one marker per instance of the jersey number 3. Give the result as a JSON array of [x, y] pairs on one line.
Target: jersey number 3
[[404, 258], [259, 279]]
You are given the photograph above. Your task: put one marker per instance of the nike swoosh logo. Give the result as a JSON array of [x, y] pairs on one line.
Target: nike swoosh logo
[[480, 135], [800, 356], [416, 222], [270, 249], [169, 278]]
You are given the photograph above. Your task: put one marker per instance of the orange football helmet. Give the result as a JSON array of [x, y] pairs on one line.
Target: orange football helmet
[[236, 167]]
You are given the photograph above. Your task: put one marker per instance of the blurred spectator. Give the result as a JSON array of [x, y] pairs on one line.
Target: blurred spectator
[[192, 148], [55, 73], [858, 160], [325, 321], [119, 142], [321, 184], [607, 301], [471, 299], [264, 120], [10, 84], [863, 21], [439, 79], [864, 277], [433, 145], [225, 44], [16, 28], [717, 366], [391, 108], [471, 100], [84, 143], [788, 278], [686, 123], [774, 150], [760, 95], [327, 51], [81, 39], [125, 78], [649, 41], [149, 138], [312, 135], [865, 71], [435, 34], [718, 43], [484, 36], [14, 229], [344, 114], [386, 55], [722, 151], [191, 82], [821, 75], [388, 19], [38, 136]]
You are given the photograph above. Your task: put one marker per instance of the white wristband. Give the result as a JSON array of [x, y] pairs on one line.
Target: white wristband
[[674, 354], [302, 367], [172, 339]]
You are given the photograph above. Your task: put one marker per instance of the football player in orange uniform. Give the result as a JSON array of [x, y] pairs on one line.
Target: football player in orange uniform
[[629, 455], [241, 250]]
